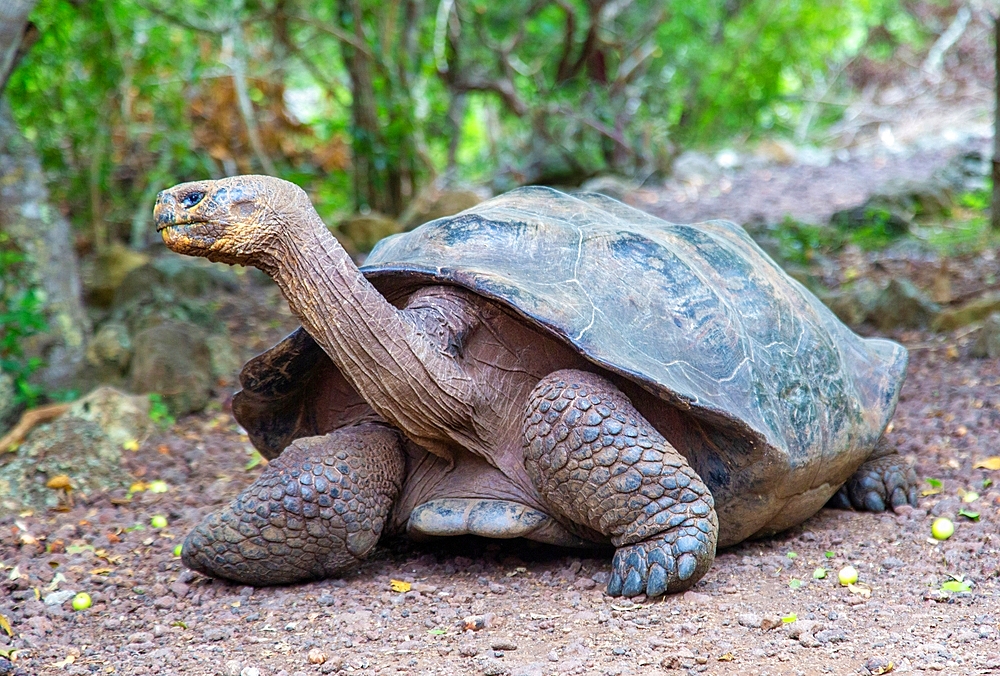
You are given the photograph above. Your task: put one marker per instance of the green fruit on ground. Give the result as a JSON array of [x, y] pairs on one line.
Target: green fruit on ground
[[158, 521], [942, 528], [81, 601], [848, 575]]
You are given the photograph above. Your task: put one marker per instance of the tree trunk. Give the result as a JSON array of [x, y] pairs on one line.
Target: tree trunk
[[38, 229], [995, 205], [376, 183]]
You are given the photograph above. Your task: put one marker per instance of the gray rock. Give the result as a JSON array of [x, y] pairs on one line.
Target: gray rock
[[749, 620], [613, 186], [174, 361], [799, 627], [224, 358], [109, 352], [987, 343], [7, 405], [491, 666], [901, 305], [57, 598], [832, 635], [854, 304], [695, 168]]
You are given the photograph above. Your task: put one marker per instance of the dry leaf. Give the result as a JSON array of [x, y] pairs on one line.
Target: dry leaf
[[884, 670], [131, 445], [399, 586], [993, 462], [861, 590], [728, 657], [5, 625]]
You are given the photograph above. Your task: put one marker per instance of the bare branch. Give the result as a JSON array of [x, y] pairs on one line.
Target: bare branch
[[237, 64], [182, 21]]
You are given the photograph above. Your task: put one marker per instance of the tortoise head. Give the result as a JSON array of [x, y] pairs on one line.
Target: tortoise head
[[238, 220]]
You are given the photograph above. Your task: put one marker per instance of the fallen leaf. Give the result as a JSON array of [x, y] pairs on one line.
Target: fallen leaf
[[992, 462], [399, 586], [131, 445], [5, 625], [102, 571], [884, 669], [59, 482], [62, 664], [788, 619], [968, 514], [957, 586], [727, 657], [860, 590], [255, 459]]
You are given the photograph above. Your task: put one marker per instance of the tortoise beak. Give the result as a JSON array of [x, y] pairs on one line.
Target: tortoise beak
[[165, 211]]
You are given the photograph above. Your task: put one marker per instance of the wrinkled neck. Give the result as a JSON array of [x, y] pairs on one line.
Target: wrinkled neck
[[397, 370]]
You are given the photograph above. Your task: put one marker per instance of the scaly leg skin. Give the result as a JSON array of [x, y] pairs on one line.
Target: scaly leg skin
[[317, 509], [881, 483], [600, 464]]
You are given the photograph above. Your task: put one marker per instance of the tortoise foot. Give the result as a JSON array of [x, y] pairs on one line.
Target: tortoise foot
[[602, 466], [317, 509], [663, 565], [879, 484]]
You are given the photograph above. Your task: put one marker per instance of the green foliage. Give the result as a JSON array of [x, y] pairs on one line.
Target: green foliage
[[21, 317], [159, 412], [125, 97]]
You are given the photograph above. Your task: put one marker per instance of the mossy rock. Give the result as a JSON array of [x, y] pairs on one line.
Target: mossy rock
[[105, 274], [987, 343], [84, 444], [975, 310], [358, 234], [901, 305]]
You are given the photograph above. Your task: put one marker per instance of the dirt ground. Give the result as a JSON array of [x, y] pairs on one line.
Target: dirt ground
[[488, 607], [534, 610]]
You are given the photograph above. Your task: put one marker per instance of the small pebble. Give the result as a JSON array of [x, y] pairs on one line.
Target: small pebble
[[316, 656]]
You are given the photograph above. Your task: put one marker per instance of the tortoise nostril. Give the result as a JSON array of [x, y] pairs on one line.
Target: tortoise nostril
[[192, 198]]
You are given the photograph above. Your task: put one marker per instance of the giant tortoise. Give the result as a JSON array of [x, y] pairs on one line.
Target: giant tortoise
[[562, 368]]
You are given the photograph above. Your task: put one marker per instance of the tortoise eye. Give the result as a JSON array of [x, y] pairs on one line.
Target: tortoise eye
[[192, 198]]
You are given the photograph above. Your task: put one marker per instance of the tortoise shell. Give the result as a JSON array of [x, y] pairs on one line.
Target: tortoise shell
[[756, 369]]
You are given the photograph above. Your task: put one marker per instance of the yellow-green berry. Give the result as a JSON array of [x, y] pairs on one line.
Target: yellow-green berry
[[178, 549], [848, 575], [158, 521], [81, 601], [942, 528]]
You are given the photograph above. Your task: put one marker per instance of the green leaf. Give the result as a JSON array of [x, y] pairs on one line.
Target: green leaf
[[934, 483], [255, 459], [438, 632], [788, 619], [819, 573], [792, 555], [968, 514], [795, 583], [830, 555], [956, 586]]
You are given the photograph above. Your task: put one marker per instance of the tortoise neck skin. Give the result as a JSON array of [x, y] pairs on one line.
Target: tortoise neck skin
[[270, 224]]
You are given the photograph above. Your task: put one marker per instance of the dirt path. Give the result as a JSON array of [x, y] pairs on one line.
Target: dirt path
[[544, 609]]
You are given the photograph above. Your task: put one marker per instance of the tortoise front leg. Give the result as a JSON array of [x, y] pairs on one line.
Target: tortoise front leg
[[317, 509], [599, 463]]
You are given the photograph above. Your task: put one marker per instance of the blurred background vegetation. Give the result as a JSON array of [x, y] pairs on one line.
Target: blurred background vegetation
[[363, 102], [367, 103]]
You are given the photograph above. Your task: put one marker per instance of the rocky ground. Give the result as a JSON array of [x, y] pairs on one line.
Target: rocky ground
[[481, 607], [472, 606]]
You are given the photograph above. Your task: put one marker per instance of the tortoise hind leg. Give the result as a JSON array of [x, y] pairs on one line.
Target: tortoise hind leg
[[317, 509], [882, 482], [601, 465]]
